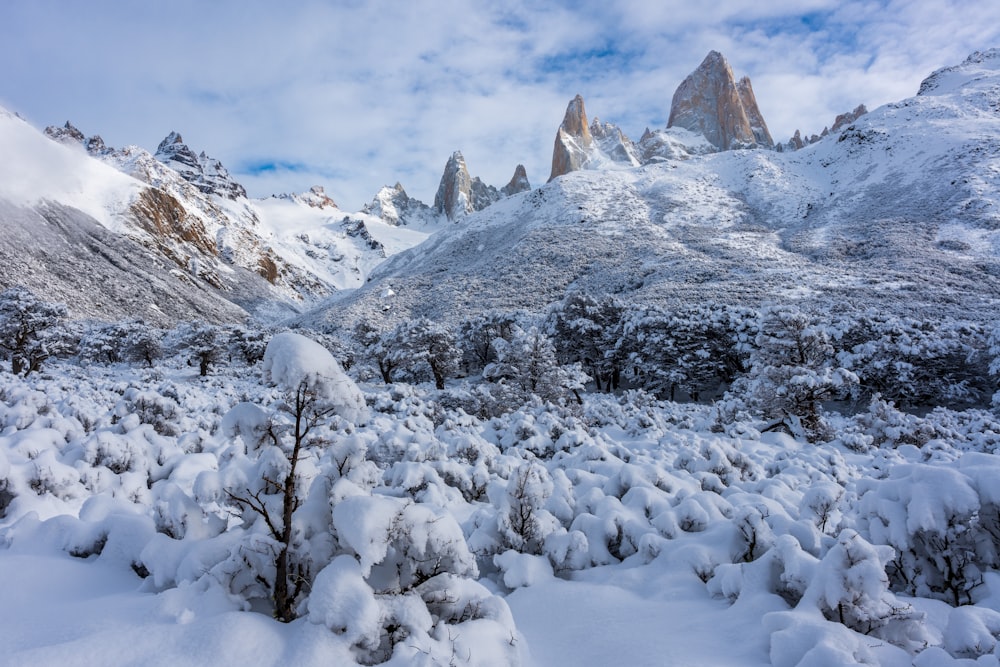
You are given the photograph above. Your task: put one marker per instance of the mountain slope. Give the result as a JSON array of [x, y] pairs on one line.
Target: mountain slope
[[120, 233], [898, 210]]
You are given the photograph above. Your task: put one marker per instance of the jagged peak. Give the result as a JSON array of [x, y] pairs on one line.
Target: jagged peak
[[518, 182], [575, 121], [171, 139], [711, 102]]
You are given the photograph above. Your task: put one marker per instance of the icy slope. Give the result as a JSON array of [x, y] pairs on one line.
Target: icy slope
[[35, 170]]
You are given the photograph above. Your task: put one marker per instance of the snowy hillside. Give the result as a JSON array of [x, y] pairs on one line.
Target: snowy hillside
[[899, 209], [203, 255]]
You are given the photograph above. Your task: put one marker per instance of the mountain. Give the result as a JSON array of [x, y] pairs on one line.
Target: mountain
[[393, 206], [205, 173], [460, 194], [573, 145], [900, 211], [124, 233], [710, 102]]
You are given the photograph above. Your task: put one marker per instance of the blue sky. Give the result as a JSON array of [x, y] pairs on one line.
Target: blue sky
[[354, 95]]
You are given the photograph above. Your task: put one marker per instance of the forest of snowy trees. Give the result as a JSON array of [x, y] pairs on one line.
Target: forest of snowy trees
[[392, 483]]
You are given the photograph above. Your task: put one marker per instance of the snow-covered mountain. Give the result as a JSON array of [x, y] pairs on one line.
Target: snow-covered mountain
[[898, 209], [126, 233]]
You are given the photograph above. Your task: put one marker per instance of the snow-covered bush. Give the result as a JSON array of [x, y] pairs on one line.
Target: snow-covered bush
[[793, 370], [526, 366], [931, 516], [27, 328]]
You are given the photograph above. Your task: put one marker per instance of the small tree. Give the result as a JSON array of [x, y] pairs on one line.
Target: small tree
[[420, 347], [477, 335], [314, 388], [586, 331], [527, 366], [378, 347], [27, 327], [794, 369], [206, 345], [143, 343]]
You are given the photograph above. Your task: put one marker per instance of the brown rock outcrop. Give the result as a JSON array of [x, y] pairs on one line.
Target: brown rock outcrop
[[710, 102], [573, 140]]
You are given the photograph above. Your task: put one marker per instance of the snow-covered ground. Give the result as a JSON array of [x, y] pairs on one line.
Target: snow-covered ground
[[136, 509]]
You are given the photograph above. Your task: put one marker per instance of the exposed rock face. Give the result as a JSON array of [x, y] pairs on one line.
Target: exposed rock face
[[454, 195], [573, 140], [395, 207], [205, 173], [67, 134], [459, 194], [518, 182], [709, 102], [613, 143], [845, 119], [757, 125]]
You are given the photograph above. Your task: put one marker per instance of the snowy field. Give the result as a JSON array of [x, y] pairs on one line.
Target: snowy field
[[143, 523]]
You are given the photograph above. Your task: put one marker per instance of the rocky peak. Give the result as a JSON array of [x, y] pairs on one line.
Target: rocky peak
[[518, 182], [757, 125], [202, 171], [573, 140], [845, 119], [67, 134], [395, 207], [454, 195], [317, 198], [709, 102]]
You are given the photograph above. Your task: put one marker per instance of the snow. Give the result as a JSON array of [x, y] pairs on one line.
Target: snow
[[637, 562], [49, 171], [293, 361], [141, 511]]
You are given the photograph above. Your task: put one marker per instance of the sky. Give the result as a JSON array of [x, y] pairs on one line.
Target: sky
[[353, 95]]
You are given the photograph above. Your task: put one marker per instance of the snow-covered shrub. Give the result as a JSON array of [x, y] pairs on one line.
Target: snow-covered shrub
[[850, 587], [523, 522], [27, 328], [930, 516], [794, 370]]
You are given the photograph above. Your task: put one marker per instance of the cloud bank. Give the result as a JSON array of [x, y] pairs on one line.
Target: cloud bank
[[353, 95]]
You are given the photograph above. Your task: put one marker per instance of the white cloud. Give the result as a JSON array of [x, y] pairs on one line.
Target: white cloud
[[361, 94]]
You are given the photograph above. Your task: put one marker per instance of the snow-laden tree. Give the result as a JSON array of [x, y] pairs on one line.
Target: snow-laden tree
[[248, 344], [314, 389], [115, 342], [694, 349], [585, 330], [914, 362], [27, 328], [476, 336], [793, 370], [527, 366], [205, 344]]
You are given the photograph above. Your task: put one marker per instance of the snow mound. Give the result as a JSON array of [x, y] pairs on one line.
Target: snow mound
[[295, 362]]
